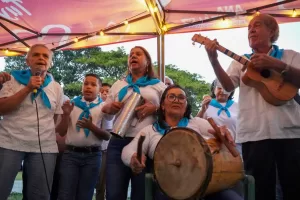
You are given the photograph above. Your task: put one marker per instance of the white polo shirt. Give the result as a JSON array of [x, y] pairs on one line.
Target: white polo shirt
[[79, 139], [151, 93], [259, 120], [19, 129], [152, 138]]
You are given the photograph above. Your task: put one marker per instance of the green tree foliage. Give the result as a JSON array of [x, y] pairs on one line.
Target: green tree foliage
[[73, 89], [110, 65], [69, 68]]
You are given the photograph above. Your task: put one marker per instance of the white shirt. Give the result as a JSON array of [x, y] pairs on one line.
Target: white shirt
[[79, 139], [223, 119], [60, 140], [152, 138], [106, 125], [151, 93], [19, 129], [259, 120]]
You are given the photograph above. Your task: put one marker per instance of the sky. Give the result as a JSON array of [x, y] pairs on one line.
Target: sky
[[179, 50]]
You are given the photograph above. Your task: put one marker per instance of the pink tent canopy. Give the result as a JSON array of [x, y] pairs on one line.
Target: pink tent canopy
[[72, 24]]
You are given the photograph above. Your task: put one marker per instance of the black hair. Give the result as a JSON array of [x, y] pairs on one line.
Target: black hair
[[160, 112], [212, 91], [106, 84], [96, 76]]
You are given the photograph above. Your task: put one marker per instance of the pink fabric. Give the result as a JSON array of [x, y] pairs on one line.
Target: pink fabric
[[90, 16]]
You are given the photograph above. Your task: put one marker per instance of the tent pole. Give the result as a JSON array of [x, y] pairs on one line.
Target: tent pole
[[162, 74], [158, 57]]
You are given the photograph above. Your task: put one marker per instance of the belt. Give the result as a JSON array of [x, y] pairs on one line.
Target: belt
[[83, 149]]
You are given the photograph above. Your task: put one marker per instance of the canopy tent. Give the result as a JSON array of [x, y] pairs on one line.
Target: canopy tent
[[73, 24]]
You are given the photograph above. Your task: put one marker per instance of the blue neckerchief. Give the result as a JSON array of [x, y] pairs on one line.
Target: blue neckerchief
[[23, 77], [276, 53], [141, 82], [182, 123], [216, 104], [86, 111]]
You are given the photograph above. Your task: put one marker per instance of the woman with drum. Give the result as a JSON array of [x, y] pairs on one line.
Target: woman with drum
[[140, 79], [175, 111]]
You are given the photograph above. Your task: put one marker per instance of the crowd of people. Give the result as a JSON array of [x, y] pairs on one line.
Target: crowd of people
[[67, 148]]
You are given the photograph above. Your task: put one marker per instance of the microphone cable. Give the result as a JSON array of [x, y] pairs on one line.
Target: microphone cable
[[38, 126]]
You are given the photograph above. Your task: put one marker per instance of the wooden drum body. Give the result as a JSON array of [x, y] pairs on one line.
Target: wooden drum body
[[185, 168]]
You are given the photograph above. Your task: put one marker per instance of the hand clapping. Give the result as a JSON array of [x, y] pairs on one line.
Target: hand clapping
[[4, 76]]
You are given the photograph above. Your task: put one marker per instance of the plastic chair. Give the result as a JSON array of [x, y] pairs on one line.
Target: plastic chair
[[249, 187]]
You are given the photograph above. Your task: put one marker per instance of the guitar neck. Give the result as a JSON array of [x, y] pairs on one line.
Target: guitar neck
[[231, 54]]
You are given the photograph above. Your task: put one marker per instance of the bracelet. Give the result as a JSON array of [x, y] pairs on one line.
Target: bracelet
[[285, 71]]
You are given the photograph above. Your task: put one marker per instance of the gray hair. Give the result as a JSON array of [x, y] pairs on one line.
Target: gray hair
[[271, 24], [41, 45], [171, 81]]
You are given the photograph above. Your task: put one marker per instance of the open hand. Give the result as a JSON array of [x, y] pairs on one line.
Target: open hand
[[4, 76], [145, 110], [205, 102], [85, 123], [67, 107]]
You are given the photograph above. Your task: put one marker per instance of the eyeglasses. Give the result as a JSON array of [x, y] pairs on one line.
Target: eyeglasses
[[172, 97]]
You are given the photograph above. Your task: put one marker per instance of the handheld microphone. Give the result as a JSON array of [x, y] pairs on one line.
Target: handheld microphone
[[38, 73]]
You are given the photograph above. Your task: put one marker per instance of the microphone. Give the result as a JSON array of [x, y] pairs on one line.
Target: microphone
[[38, 73]]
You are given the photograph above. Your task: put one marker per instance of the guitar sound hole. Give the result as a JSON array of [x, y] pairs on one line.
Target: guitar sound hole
[[265, 73]]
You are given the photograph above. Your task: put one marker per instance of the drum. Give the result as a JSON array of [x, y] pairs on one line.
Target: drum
[[185, 168]]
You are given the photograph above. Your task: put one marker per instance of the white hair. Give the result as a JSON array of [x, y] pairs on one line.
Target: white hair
[[171, 81], [40, 45]]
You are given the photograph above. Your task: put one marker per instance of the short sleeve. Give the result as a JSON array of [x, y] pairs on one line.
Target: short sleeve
[[60, 99], [234, 71], [295, 60], [203, 126]]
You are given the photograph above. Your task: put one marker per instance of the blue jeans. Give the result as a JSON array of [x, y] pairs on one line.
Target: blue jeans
[[34, 179], [78, 175], [118, 174], [223, 195]]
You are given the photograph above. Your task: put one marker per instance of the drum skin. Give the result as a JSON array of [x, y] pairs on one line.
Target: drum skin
[[185, 168]]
